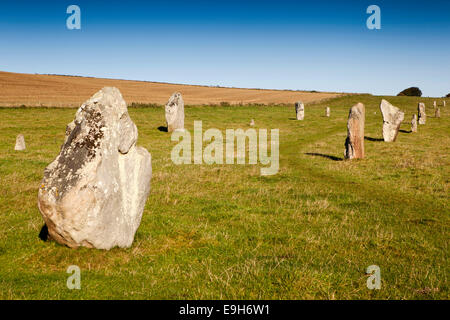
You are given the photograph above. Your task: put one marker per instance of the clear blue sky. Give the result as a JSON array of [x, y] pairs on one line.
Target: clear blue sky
[[308, 45]]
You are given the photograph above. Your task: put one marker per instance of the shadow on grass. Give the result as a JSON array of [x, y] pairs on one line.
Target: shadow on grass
[[405, 131], [324, 156], [43, 235], [373, 139], [162, 129]]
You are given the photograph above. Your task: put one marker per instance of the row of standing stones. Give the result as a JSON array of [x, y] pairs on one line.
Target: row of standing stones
[[94, 193], [300, 111], [392, 119]]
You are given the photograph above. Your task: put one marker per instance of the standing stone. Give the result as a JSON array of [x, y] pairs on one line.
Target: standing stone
[[252, 122], [354, 144], [175, 112], [20, 143], [327, 111], [300, 110], [444, 103], [414, 123], [94, 192], [392, 119], [422, 116], [437, 113], [434, 104]]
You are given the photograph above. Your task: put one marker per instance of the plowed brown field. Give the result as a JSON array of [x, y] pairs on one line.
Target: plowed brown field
[[62, 91]]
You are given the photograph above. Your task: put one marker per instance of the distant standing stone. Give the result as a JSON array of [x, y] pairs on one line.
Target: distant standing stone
[[414, 123], [175, 112], [422, 116], [434, 104], [327, 111], [252, 122], [444, 103], [93, 194], [20, 143], [354, 144], [300, 110], [437, 113], [392, 119]]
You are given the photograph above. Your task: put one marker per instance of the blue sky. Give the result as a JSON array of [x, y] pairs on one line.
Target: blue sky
[[306, 45]]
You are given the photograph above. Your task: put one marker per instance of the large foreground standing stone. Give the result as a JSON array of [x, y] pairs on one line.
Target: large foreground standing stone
[[354, 144], [414, 123], [93, 194], [175, 112], [392, 119], [422, 116], [20, 143], [299, 110]]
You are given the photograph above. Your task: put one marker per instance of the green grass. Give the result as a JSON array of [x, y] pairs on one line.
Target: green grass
[[225, 232]]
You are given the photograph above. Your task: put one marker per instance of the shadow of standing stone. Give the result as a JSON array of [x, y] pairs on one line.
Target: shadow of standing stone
[[373, 139], [324, 156], [43, 234]]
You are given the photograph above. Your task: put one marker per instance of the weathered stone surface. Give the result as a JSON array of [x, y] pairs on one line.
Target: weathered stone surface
[[252, 122], [20, 143], [392, 119], [327, 111], [354, 144], [422, 116], [299, 110], [414, 123], [93, 194], [175, 112], [437, 113]]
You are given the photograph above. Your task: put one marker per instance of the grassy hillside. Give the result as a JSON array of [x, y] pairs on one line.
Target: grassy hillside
[[66, 91], [224, 231]]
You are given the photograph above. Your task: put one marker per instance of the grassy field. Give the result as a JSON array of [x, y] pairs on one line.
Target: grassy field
[[225, 232]]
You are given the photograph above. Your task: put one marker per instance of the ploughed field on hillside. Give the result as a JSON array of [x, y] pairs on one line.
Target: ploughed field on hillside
[[18, 89], [226, 232]]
